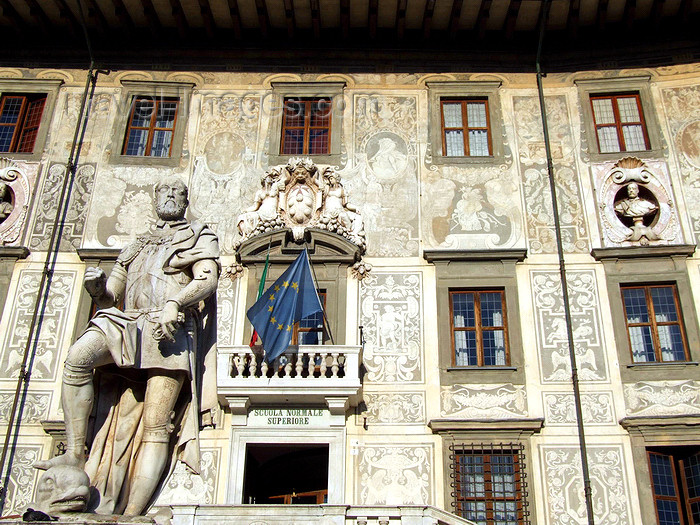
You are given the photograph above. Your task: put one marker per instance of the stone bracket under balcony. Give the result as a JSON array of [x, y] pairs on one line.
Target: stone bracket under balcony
[[305, 375]]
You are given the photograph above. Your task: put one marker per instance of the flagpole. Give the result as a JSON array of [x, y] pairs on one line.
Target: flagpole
[[261, 288], [323, 306]]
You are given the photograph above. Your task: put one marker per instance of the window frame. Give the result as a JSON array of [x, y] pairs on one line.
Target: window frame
[[465, 128], [618, 124], [514, 450], [677, 457], [653, 323], [589, 88], [307, 128], [273, 103], [31, 87], [478, 328], [471, 270], [667, 433], [138, 89], [22, 126], [466, 90], [152, 128], [323, 295], [650, 265]]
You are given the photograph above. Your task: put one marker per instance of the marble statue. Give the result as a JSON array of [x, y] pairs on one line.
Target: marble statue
[[636, 208], [161, 350], [300, 196], [6, 206]]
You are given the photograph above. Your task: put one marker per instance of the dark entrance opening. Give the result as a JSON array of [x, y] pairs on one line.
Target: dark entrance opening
[[286, 474]]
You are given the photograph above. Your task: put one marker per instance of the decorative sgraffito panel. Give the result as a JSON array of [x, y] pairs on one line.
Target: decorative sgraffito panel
[[540, 221], [53, 329], [74, 225], [551, 332], [383, 182], [34, 409], [394, 408], [125, 210], [395, 475], [563, 490], [226, 305], [597, 409], [662, 398], [23, 477], [391, 313], [683, 112], [225, 179], [471, 208], [483, 401], [186, 488]]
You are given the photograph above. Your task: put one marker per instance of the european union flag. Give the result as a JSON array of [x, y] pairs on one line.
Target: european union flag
[[292, 297]]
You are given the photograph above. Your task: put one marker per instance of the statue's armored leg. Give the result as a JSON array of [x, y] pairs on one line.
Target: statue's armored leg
[[87, 353], [162, 391]]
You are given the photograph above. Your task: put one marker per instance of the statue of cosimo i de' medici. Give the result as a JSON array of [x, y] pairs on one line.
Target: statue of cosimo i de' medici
[[157, 353]]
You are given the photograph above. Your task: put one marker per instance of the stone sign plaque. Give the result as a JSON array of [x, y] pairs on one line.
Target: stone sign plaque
[[289, 417]]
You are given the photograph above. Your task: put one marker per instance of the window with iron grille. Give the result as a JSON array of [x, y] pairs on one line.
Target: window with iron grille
[[478, 325], [311, 330], [151, 126], [465, 127], [654, 328], [20, 117], [306, 126], [675, 480], [489, 483], [619, 123]]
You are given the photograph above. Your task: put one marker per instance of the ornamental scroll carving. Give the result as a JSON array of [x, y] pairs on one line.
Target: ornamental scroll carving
[[636, 206], [14, 200], [300, 196]]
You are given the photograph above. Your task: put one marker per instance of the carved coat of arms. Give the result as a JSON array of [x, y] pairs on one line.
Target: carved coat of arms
[[300, 196]]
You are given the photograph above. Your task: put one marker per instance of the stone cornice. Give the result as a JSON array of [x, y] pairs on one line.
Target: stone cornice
[[474, 255], [639, 252]]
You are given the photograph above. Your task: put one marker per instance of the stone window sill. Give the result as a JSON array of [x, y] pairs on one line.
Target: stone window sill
[[667, 364]]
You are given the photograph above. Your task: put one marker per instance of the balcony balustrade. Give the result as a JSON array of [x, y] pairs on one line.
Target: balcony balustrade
[[302, 375]]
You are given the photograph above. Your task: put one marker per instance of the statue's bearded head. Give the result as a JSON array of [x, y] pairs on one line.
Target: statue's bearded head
[[171, 200]]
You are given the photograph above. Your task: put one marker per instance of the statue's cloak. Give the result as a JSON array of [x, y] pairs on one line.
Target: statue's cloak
[[120, 389]]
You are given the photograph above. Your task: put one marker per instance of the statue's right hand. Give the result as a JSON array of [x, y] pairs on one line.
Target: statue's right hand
[[95, 281]]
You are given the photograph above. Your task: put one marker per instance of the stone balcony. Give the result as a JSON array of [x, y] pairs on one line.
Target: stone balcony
[[303, 375]]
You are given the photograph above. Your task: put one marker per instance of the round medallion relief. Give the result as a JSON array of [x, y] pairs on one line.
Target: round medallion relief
[[223, 152]]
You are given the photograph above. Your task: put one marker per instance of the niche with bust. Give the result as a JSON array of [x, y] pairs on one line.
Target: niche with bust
[[635, 204]]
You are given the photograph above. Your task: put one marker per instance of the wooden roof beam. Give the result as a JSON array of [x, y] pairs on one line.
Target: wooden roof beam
[[65, 12], [94, 12], [628, 16], [39, 15], [152, 18], [316, 18], [345, 18], [207, 18], [180, 19], [511, 18], [401, 18], [123, 15], [428, 18], [235, 15], [657, 9], [289, 16], [263, 17], [482, 18], [9, 12], [572, 20], [372, 15], [684, 10], [602, 14], [456, 12]]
